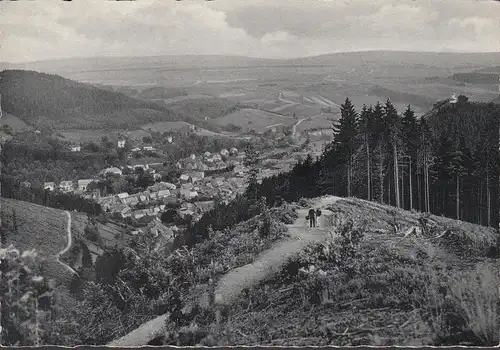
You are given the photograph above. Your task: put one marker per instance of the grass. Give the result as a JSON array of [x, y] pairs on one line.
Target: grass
[[252, 119]]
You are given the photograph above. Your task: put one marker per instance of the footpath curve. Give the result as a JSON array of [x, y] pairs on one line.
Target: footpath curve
[[68, 246]]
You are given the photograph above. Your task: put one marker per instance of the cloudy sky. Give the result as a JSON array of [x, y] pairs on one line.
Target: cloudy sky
[[45, 29]]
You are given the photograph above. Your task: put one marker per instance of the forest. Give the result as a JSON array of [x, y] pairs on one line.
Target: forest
[[41, 99]]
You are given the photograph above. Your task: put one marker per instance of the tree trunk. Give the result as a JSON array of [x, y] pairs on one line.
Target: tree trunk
[[488, 196], [396, 176], [369, 168], [411, 188], [458, 197]]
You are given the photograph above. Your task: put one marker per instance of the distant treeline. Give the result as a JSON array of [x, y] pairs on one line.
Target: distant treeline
[[476, 78]]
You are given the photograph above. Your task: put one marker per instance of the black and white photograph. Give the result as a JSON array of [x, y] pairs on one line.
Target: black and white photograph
[[223, 173]]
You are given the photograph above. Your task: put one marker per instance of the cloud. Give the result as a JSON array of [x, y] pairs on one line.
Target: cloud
[[32, 30]]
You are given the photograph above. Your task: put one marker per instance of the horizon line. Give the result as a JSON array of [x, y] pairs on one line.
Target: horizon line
[[250, 57]]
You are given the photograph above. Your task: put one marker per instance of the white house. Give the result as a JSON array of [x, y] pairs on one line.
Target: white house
[[224, 152], [112, 170], [121, 144], [217, 158], [136, 149], [163, 193], [75, 148], [207, 154], [148, 148], [170, 139], [170, 186], [66, 186], [233, 151], [82, 184], [184, 178], [453, 99], [49, 186], [122, 195], [193, 156]]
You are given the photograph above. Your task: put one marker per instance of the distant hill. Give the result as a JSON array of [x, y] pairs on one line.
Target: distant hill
[[39, 98], [445, 59]]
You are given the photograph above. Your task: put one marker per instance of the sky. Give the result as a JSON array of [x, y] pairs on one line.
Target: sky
[[47, 29]]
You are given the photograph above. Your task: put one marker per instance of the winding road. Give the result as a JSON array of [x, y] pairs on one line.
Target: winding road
[[68, 246], [294, 129]]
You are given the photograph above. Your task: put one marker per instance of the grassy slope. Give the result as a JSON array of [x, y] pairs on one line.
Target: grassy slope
[[40, 228], [379, 306]]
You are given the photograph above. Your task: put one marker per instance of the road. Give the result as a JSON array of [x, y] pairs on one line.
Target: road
[[68, 245], [294, 129]]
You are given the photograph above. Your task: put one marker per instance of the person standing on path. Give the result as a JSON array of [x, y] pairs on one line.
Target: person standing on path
[[312, 218]]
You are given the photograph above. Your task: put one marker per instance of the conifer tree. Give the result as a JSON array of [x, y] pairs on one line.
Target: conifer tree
[[345, 139]]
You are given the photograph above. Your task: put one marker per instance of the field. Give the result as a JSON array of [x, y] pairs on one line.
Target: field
[[252, 119], [15, 123]]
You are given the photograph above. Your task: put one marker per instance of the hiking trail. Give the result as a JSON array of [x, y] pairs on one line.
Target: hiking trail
[[68, 246], [265, 265]]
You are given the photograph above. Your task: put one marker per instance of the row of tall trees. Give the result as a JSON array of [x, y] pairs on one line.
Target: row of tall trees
[[445, 163]]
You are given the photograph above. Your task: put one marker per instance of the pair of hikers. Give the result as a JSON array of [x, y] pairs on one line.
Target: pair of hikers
[[312, 215]]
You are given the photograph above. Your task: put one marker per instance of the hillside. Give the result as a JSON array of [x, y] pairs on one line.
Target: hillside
[[41, 228], [386, 295], [383, 290], [50, 100]]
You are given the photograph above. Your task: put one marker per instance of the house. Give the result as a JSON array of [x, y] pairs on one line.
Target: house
[[170, 139], [137, 214], [217, 158], [75, 148], [193, 194], [112, 170], [187, 186], [170, 186], [224, 152], [122, 195], [184, 212], [49, 186], [207, 154], [66, 186], [136, 149], [148, 148], [204, 206], [163, 193], [123, 210], [192, 156], [157, 177], [184, 178], [233, 151], [121, 144], [82, 184], [131, 200], [453, 99], [142, 198]]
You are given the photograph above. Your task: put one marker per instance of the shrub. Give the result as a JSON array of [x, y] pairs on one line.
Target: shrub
[[476, 297]]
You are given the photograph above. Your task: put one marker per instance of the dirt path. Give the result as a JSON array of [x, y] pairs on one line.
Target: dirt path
[[272, 260], [237, 279], [68, 246]]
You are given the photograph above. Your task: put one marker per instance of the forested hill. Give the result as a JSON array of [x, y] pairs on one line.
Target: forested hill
[[50, 100]]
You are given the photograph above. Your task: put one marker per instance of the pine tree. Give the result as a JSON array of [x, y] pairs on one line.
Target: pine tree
[[345, 139]]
